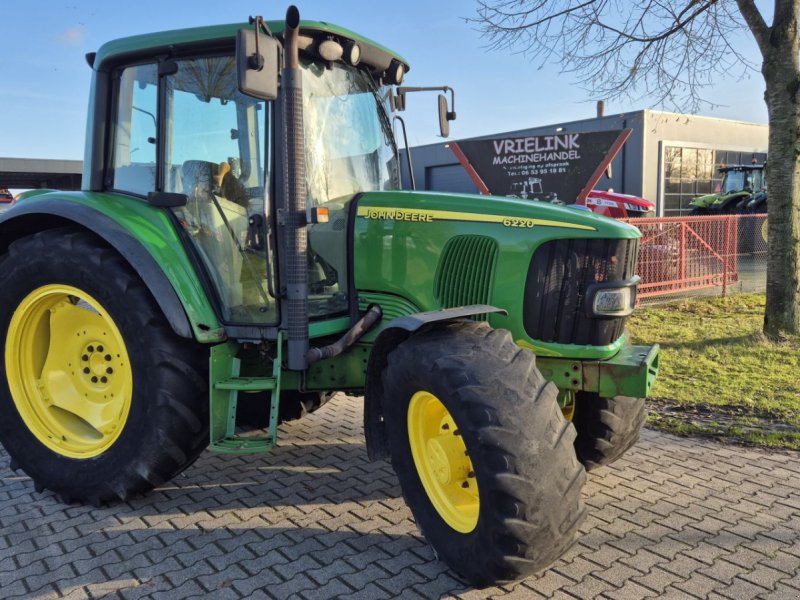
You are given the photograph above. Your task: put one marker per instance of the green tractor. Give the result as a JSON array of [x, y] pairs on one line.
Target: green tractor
[[741, 184], [242, 248]]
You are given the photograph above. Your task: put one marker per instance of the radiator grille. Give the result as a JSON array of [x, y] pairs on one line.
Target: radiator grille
[[559, 274], [465, 271]]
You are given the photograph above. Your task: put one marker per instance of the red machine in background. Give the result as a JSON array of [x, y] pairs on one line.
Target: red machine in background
[[619, 206]]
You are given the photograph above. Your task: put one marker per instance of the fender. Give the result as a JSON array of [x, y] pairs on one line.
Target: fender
[[395, 332], [40, 213]]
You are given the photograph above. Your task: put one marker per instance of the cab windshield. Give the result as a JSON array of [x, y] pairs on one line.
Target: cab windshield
[[733, 181], [349, 145]]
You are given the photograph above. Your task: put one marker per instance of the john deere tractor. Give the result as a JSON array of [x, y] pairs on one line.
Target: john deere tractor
[[242, 248]]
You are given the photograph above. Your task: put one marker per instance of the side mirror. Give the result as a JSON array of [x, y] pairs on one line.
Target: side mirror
[[257, 64], [444, 116]]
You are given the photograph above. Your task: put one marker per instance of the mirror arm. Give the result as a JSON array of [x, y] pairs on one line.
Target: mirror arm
[[451, 115]]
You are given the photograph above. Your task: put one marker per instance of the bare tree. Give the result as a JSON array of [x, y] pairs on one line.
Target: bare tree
[[668, 51]]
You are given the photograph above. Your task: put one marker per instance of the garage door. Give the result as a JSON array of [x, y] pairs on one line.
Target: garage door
[[449, 178]]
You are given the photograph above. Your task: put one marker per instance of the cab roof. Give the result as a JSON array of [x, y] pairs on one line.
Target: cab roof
[[378, 56]]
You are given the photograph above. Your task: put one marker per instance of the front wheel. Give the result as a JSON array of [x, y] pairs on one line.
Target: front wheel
[[99, 398], [484, 456], [607, 427]]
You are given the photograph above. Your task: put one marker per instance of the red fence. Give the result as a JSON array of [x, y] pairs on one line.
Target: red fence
[[683, 255]]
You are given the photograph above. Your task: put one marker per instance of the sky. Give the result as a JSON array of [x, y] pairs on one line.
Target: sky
[[44, 79]]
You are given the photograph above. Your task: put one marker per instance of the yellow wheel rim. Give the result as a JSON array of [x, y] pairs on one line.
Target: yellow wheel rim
[[68, 371], [566, 400], [442, 462]]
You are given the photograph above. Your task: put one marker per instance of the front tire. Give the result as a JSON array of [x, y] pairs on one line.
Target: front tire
[[607, 427], [99, 398], [484, 456]]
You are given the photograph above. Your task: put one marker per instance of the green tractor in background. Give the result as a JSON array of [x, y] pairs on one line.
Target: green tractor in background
[[743, 188], [242, 248]]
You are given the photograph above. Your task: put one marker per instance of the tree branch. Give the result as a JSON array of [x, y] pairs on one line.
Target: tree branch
[[756, 23], [666, 33]]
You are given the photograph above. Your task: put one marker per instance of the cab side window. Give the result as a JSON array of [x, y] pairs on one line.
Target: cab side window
[[133, 163]]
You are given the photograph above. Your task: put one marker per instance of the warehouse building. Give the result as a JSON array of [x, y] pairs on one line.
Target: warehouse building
[[669, 158]]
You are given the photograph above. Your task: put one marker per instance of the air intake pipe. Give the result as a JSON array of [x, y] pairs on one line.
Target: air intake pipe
[[295, 234]]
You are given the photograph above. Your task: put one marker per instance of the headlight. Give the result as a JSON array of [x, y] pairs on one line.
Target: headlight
[[612, 299]]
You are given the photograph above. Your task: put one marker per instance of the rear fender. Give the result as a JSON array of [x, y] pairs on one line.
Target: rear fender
[[162, 264]]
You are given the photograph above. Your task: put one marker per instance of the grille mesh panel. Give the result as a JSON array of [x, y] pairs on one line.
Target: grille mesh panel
[[465, 271]]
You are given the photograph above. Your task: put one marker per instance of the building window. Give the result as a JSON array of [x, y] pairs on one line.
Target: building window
[[691, 172]]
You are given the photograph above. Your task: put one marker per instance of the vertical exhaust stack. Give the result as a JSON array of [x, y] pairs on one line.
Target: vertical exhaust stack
[[294, 167]]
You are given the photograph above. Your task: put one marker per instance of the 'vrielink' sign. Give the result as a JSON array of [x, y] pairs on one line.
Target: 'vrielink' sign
[[546, 167]]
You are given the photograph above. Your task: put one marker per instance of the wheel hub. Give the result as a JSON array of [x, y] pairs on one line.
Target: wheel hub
[[98, 363]]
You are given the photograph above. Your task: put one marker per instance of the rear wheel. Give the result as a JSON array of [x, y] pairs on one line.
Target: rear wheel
[[100, 399], [607, 427], [484, 456]]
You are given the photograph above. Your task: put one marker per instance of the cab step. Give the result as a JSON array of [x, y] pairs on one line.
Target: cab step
[[246, 384], [225, 385]]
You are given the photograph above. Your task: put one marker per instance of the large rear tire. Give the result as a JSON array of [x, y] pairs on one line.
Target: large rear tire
[[607, 427], [484, 456], [99, 398]]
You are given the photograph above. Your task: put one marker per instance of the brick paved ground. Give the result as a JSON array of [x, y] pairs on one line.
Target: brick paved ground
[[676, 518]]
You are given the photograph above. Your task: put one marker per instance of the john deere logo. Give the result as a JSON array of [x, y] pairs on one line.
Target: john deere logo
[[396, 214]]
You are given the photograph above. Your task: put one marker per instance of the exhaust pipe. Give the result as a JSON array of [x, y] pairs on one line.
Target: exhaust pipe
[[294, 177], [362, 326]]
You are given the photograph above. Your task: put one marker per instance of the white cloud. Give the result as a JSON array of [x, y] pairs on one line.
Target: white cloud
[[72, 36]]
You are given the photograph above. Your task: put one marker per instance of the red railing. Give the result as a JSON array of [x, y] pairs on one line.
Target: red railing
[[686, 254]]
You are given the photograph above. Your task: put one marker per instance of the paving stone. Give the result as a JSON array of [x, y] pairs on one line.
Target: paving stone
[[589, 587], [723, 570], [658, 579], [699, 585], [766, 577], [781, 592], [631, 591], [742, 590], [617, 574]]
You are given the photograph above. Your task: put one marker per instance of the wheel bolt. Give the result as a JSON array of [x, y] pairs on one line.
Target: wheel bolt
[[465, 484], [445, 426], [456, 432], [107, 357], [104, 379], [471, 474], [99, 348], [109, 370], [90, 348], [94, 379], [87, 370], [85, 357]]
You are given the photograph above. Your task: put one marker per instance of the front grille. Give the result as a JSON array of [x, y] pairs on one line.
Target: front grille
[[559, 274]]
